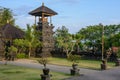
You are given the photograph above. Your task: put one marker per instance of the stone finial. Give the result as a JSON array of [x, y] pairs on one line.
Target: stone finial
[[42, 4]]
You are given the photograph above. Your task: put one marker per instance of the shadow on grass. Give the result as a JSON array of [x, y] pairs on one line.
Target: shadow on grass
[[34, 79], [12, 72]]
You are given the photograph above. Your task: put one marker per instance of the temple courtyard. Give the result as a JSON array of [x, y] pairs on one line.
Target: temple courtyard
[[85, 74]]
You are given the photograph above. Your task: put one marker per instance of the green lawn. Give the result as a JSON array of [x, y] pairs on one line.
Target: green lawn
[[9, 72], [83, 63]]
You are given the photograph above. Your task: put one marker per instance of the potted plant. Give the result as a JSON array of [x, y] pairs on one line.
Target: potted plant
[[45, 76], [104, 64], [44, 61], [74, 59], [118, 58], [118, 54]]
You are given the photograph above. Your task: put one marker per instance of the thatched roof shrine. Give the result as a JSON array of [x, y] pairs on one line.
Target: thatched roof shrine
[[8, 31]]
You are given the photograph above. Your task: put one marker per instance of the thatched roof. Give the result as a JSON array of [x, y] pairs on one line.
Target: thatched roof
[[43, 9], [10, 32]]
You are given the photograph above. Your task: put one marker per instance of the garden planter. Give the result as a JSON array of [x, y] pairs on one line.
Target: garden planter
[[45, 77], [46, 71], [74, 70], [104, 65], [118, 62]]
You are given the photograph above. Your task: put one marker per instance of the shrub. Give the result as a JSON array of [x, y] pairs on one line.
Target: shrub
[[118, 54], [21, 55], [13, 49], [43, 61], [74, 58]]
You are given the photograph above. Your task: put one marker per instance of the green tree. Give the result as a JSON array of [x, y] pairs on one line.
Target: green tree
[[30, 41], [6, 16], [114, 40], [78, 38], [64, 40], [20, 44], [32, 37], [93, 36], [13, 51]]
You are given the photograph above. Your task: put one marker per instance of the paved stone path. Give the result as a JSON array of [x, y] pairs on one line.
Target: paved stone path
[[87, 74]]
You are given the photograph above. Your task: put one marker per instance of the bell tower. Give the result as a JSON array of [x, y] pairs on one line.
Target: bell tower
[[44, 25]]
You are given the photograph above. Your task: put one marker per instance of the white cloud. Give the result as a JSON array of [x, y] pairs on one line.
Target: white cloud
[[23, 20]]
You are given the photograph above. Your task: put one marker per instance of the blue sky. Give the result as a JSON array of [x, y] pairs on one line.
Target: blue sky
[[74, 14]]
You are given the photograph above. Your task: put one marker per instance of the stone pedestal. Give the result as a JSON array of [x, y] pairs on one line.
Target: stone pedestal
[[104, 65], [45, 77], [118, 62], [74, 71]]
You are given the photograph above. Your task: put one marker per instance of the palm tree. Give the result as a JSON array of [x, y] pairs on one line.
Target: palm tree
[[6, 16], [32, 38]]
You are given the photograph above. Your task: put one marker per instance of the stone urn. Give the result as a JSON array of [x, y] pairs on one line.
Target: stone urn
[[46, 71], [74, 70]]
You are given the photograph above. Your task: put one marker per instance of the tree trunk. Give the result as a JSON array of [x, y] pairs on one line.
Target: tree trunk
[[67, 53], [44, 65], [29, 52], [78, 48]]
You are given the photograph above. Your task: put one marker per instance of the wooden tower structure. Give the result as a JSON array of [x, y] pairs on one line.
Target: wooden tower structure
[[44, 13]]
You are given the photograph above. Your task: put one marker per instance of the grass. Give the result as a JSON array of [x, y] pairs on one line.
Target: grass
[[9, 72], [83, 63]]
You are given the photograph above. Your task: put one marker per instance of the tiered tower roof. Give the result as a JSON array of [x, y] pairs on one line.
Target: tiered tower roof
[[43, 10]]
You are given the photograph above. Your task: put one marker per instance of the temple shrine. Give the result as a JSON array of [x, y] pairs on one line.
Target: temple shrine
[[43, 15]]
